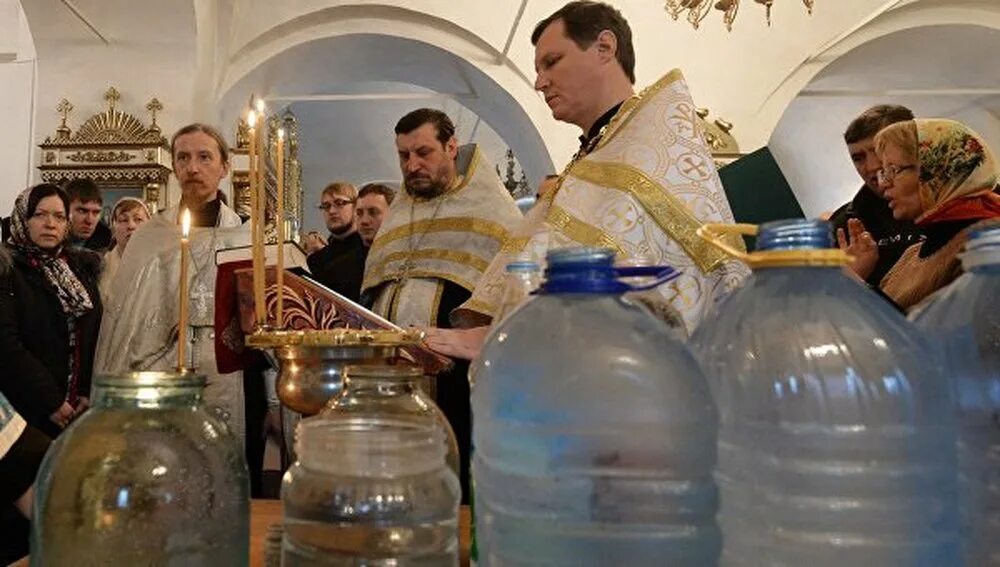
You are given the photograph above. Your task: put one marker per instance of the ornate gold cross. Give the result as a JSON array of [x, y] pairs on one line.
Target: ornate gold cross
[[112, 96], [153, 107]]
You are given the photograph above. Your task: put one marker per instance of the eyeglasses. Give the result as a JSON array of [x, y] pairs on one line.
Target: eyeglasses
[[887, 174], [338, 203]]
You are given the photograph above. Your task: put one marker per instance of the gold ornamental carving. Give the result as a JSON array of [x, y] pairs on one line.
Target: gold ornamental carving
[[114, 148], [99, 157]]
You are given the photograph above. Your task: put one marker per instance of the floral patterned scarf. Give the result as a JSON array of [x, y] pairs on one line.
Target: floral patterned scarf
[[958, 173], [72, 294]]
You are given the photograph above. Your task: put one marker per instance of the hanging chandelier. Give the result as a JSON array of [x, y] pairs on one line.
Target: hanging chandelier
[[698, 10]]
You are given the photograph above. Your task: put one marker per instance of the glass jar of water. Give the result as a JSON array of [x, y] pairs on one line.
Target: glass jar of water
[[145, 477], [370, 490]]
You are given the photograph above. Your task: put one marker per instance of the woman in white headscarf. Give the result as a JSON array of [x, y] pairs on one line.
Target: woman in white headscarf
[[127, 216]]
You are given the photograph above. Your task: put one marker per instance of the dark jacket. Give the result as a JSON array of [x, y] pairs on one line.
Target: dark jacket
[[100, 241], [340, 266], [892, 236], [34, 336]]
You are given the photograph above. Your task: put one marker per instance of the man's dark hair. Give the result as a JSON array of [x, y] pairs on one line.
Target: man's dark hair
[[874, 119], [419, 117], [83, 190], [378, 189], [584, 21], [39, 192]]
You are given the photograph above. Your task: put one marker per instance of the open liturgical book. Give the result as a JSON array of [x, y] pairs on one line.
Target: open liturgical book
[[307, 305], [295, 256]]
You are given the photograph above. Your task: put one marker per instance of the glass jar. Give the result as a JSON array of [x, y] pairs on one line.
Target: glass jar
[[393, 392], [145, 477], [370, 491]]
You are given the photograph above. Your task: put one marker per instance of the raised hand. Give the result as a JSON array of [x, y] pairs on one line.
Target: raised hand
[[860, 245]]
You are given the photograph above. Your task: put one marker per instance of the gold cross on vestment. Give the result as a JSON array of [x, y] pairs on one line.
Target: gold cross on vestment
[[694, 165]]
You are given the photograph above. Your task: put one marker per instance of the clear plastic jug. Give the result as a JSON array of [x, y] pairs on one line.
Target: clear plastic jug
[[963, 324], [593, 428], [836, 440]]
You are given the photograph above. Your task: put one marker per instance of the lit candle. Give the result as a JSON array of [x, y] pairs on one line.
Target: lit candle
[[280, 224], [257, 244], [182, 320]]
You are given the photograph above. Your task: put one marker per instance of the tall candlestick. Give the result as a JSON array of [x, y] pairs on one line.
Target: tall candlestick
[[261, 274], [182, 320], [280, 225], [257, 244]]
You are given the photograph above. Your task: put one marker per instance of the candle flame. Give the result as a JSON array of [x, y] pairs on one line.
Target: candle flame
[[281, 133], [251, 118], [260, 106], [185, 224]]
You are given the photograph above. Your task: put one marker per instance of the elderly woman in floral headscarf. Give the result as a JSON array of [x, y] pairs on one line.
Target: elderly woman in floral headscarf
[[941, 175], [50, 312]]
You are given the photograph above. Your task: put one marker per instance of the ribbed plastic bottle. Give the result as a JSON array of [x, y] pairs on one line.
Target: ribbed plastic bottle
[[963, 324], [593, 428], [836, 439]]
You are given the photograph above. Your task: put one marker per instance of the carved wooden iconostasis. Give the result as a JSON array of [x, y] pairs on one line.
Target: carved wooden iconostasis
[[114, 149]]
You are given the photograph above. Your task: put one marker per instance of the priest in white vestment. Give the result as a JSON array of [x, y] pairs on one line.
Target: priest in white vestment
[[139, 329]]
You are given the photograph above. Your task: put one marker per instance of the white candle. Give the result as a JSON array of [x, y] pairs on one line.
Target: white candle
[[280, 224], [182, 320]]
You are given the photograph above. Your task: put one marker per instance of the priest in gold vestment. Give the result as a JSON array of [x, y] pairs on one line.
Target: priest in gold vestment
[[642, 182], [444, 227]]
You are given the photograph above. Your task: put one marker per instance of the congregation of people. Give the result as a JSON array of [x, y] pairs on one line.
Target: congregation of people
[[81, 294]]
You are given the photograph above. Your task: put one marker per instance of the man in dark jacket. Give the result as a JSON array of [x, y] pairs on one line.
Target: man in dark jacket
[[85, 227], [869, 206], [339, 264]]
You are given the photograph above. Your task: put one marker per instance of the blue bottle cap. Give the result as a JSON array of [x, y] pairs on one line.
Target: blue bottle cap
[[795, 234], [592, 270]]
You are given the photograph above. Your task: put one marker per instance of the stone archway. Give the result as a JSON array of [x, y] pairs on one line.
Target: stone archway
[[936, 70], [347, 105]]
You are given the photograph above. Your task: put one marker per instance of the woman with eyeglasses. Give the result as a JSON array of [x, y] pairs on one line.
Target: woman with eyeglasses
[[50, 312], [941, 175]]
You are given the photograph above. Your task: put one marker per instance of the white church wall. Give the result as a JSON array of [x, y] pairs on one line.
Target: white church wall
[[735, 74], [17, 72], [150, 53], [191, 55], [915, 67]]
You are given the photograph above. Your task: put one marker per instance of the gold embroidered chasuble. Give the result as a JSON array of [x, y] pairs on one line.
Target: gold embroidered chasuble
[[425, 242], [643, 191]]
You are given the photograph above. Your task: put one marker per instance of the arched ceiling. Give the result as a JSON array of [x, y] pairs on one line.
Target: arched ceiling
[[195, 55], [937, 71], [348, 105]]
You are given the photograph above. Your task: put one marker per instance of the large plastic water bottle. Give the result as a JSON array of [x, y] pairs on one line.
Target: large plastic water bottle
[[836, 442], [963, 323], [593, 430]]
